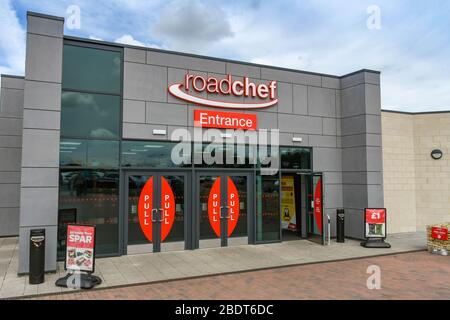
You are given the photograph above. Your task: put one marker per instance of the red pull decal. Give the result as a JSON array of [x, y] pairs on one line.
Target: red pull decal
[[318, 205], [233, 204], [145, 208], [214, 207], [168, 206]]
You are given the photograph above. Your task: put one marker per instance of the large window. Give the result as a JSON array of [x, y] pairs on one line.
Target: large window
[[90, 143], [92, 69], [153, 154], [295, 158], [87, 115]]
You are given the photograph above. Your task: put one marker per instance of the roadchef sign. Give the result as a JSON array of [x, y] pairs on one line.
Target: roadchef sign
[[228, 86], [80, 248]]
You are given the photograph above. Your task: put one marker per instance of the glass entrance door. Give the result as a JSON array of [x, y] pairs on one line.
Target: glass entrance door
[[315, 209], [222, 209], [156, 207]]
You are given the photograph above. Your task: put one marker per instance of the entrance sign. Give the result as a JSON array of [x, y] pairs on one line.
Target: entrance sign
[[214, 208], [375, 223], [226, 87], [80, 248], [224, 120], [148, 215]]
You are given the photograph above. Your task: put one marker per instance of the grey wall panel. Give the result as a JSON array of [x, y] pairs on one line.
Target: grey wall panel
[[373, 99], [321, 102], [355, 196], [142, 131], [9, 195], [354, 159], [373, 123], [354, 223], [50, 248], [12, 82], [332, 195], [333, 177], [9, 177], [10, 126], [40, 177], [44, 58], [372, 78], [327, 159], [11, 142], [300, 103], [42, 119], [322, 141], [145, 82], [332, 83], [134, 111], [374, 159], [266, 120], [166, 113], [10, 159], [352, 80], [175, 75], [185, 62], [9, 222], [43, 95], [38, 206], [299, 124], [329, 126], [353, 101], [291, 76], [353, 125], [284, 97], [11, 104], [243, 70], [135, 55], [46, 27], [40, 148], [375, 197]]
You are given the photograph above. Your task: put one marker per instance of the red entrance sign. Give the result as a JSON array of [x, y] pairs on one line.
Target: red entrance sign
[[224, 120], [147, 212], [214, 209], [439, 233], [376, 216], [80, 248]]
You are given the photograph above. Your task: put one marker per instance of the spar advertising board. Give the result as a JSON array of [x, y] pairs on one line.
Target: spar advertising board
[[375, 223], [80, 250]]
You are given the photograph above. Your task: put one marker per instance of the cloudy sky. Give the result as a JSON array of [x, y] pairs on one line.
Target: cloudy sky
[[409, 43]]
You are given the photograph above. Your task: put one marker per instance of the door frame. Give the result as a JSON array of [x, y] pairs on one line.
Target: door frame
[[310, 236], [251, 200], [123, 234]]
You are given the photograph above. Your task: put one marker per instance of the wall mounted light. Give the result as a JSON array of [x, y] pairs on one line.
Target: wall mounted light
[[436, 154]]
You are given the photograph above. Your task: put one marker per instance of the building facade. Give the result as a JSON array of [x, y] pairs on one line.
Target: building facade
[[90, 129]]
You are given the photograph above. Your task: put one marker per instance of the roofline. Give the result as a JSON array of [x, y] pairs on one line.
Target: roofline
[[415, 113], [12, 76], [121, 45], [46, 16]]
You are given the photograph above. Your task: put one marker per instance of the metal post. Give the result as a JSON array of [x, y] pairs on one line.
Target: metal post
[[329, 229]]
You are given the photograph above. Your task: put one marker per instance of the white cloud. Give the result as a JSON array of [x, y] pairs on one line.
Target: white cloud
[[128, 39], [12, 41], [191, 25]]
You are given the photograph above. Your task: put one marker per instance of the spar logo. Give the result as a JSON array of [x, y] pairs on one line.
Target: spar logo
[[228, 86]]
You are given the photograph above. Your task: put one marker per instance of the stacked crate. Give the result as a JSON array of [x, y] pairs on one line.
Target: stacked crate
[[438, 246]]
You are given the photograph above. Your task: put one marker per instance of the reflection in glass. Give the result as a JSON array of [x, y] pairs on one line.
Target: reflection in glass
[[85, 115], [90, 197], [91, 153], [149, 154], [295, 158], [91, 69], [267, 208]]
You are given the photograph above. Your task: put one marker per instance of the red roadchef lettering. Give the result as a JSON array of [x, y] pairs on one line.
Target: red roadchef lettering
[[226, 86], [226, 120], [214, 207]]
